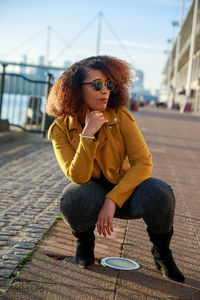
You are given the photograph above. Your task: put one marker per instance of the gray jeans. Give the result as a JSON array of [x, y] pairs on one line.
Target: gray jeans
[[153, 200]]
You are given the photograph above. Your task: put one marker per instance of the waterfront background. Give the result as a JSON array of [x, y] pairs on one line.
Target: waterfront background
[[15, 108], [59, 33]]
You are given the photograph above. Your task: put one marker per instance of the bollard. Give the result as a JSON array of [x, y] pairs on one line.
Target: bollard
[[49, 78], [2, 86]]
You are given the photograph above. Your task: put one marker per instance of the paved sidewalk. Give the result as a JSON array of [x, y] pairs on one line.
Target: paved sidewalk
[[30, 185], [30, 189]]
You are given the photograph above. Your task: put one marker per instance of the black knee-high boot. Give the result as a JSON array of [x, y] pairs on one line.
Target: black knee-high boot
[[85, 247], [163, 256]]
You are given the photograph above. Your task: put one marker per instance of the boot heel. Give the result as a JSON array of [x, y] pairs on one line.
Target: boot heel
[[163, 256], [165, 261], [158, 267]]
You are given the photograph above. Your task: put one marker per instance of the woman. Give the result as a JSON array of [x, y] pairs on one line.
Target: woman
[[101, 150]]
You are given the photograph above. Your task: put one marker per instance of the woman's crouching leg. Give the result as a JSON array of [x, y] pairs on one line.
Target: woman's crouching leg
[[154, 201], [158, 210], [80, 205], [158, 204]]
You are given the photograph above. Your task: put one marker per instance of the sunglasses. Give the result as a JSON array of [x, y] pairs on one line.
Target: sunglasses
[[98, 85]]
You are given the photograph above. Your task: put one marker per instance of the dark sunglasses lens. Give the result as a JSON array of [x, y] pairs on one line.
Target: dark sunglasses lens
[[97, 85], [110, 85]]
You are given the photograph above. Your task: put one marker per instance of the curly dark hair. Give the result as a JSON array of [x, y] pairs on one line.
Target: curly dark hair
[[65, 97]]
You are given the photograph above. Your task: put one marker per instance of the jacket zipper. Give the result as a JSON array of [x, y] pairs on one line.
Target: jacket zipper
[[117, 147]]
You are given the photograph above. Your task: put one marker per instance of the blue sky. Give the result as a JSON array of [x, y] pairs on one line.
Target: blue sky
[[142, 26]]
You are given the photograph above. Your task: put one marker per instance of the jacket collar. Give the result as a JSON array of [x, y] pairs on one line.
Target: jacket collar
[[109, 114], [73, 122]]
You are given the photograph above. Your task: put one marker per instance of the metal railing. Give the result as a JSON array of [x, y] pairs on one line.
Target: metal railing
[[22, 101]]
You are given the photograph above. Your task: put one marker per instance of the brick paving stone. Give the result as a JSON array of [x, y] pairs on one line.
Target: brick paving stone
[[35, 230], [38, 225], [18, 252], [24, 245], [5, 283], [3, 243], [7, 233], [7, 264], [4, 250], [11, 227], [30, 240], [12, 257], [5, 273], [34, 235], [3, 238], [18, 222]]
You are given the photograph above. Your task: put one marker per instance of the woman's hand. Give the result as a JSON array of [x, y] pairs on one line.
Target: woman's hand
[[93, 122], [105, 217]]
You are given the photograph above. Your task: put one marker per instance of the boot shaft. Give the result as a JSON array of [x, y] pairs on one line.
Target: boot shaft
[[85, 247], [163, 256], [160, 240], [86, 236]]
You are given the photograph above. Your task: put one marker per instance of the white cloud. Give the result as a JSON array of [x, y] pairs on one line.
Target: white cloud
[[170, 2], [144, 46], [173, 2]]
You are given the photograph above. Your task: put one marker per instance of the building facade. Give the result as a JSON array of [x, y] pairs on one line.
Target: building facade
[[182, 69]]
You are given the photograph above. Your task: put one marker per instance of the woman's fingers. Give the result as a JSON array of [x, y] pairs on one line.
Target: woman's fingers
[[94, 120], [105, 217], [111, 226], [108, 229], [104, 227], [100, 227], [104, 230]]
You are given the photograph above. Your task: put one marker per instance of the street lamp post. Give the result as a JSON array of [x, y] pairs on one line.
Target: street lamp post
[[178, 50], [191, 53], [173, 87], [174, 24], [169, 41]]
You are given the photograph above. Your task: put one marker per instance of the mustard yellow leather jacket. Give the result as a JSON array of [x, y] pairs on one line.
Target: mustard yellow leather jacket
[[120, 152]]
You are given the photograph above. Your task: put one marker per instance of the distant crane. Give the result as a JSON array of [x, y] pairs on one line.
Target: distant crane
[[99, 33], [48, 44], [51, 30]]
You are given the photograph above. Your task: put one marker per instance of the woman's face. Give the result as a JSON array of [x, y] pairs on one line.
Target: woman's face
[[95, 100]]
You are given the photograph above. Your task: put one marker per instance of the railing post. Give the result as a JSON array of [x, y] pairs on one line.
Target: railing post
[[49, 78], [2, 86]]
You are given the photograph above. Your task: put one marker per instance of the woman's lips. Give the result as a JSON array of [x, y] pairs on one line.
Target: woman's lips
[[104, 100]]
